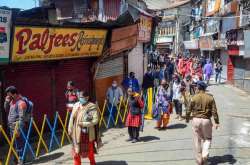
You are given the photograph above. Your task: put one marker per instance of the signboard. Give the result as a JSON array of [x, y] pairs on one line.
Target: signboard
[[164, 39], [41, 43], [5, 18], [206, 43], [145, 27], [123, 39], [191, 44]]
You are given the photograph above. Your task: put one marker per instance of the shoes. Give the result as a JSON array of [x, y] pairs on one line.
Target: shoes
[[164, 128], [134, 141], [129, 140]]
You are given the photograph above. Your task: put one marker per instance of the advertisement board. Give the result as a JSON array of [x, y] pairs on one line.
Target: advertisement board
[[123, 39], [42, 43], [145, 27], [5, 23]]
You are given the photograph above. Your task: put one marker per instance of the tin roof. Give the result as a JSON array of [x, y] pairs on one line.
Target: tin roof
[[164, 4]]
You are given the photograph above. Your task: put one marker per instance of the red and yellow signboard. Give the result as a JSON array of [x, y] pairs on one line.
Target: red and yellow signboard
[[41, 43]]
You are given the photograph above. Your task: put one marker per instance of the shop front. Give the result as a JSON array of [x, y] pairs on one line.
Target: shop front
[[44, 59], [236, 53], [193, 47], [115, 66], [206, 44]]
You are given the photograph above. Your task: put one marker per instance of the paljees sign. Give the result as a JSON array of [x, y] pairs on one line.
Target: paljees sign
[[38, 43]]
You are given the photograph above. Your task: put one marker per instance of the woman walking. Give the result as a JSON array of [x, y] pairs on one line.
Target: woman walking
[[163, 107], [134, 118], [177, 96], [82, 129]]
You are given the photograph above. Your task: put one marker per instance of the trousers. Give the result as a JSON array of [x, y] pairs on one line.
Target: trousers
[[134, 132], [202, 136], [178, 107], [91, 156]]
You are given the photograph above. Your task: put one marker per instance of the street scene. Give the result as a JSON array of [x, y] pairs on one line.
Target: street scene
[[125, 82]]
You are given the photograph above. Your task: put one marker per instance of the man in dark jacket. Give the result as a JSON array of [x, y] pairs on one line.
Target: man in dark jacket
[[148, 79]]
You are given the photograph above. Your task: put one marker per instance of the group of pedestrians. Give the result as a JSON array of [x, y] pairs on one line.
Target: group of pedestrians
[[187, 89], [178, 84]]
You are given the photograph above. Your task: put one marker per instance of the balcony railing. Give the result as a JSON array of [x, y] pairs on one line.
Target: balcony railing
[[85, 15]]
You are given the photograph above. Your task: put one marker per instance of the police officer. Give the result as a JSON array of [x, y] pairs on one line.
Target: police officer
[[202, 107]]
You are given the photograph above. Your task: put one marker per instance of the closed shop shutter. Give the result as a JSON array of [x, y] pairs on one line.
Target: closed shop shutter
[[247, 75], [45, 84], [239, 71], [110, 70], [230, 70], [224, 59], [78, 71], [135, 62], [33, 81]]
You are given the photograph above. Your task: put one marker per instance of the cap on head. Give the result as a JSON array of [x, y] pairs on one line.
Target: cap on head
[[201, 85]]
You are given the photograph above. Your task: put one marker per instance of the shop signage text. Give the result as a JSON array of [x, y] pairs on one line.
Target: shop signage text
[[33, 43], [191, 44], [145, 26], [5, 19]]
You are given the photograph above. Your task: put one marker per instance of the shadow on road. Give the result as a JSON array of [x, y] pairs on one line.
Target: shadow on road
[[222, 159], [112, 163], [177, 126], [148, 138], [48, 158]]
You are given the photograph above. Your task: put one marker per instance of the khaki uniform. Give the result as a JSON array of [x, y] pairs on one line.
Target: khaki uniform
[[202, 107]]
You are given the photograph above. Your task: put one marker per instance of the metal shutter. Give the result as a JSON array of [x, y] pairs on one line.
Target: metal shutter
[[77, 71], [108, 71], [34, 82], [110, 68]]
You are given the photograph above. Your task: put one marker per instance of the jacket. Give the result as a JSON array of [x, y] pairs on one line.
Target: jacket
[[79, 119], [203, 105], [114, 94]]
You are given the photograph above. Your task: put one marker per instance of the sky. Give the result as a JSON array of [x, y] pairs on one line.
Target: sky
[[22, 4]]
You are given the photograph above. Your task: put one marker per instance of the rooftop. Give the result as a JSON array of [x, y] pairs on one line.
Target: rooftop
[[164, 4]]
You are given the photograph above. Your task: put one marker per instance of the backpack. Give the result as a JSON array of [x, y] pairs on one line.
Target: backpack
[[29, 110]]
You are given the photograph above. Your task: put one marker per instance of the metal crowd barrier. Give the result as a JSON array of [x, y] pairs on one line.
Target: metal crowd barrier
[[122, 111]]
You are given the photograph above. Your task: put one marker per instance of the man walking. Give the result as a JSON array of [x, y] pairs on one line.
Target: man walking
[[218, 70], [131, 82], [114, 95], [202, 107], [16, 107]]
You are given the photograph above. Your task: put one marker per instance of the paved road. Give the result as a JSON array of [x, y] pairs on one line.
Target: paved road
[[231, 143]]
